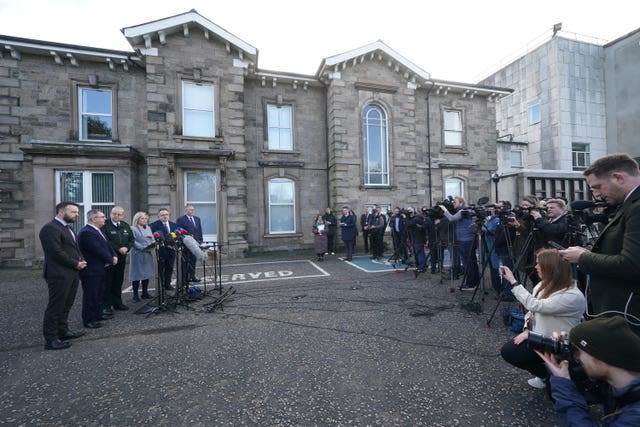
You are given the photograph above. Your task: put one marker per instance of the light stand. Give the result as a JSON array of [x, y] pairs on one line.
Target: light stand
[[495, 177]]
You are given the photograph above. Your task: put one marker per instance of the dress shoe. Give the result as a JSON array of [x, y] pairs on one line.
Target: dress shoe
[[136, 298], [121, 307], [93, 325], [56, 345], [147, 296], [106, 312], [105, 317], [195, 279], [69, 335]]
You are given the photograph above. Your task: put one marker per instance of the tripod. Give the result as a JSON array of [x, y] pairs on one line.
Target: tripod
[[160, 299], [215, 253], [182, 282]]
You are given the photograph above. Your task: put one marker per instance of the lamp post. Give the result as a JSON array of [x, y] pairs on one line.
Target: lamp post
[[495, 177]]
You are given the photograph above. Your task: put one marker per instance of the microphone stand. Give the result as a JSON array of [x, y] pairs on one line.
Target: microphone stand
[[159, 300]]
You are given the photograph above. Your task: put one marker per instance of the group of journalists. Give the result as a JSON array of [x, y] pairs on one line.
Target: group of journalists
[[581, 334]]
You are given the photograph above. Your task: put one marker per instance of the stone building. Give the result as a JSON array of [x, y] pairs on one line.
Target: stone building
[[187, 116]]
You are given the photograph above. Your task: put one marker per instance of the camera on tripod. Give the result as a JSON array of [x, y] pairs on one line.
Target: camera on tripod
[[560, 347]]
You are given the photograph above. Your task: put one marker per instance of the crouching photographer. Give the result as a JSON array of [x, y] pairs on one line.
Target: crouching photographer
[[556, 304], [607, 350]]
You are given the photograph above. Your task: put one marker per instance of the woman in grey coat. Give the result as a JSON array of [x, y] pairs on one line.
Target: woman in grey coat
[[141, 267]]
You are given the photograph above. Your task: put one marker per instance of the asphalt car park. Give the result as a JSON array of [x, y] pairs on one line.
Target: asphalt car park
[[300, 343]]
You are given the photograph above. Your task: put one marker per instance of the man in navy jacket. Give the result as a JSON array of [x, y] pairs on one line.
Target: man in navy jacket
[[99, 254], [167, 252], [193, 225]]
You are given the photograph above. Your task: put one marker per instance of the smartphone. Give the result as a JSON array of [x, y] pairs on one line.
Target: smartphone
[[556, 246], [501, 270]]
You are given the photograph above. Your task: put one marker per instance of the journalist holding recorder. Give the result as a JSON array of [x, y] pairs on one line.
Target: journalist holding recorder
[[607, 350], [556, 304], [613, 264]]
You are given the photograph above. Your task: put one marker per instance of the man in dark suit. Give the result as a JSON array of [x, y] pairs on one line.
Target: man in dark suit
[[121, 238], [167, 252], [62, 262], [613, 264], [364, 222], [193, 225], [99, 254]]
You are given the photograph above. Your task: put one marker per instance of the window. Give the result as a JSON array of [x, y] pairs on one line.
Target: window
[[200, 191], [516, 159], [198, 117], [279, 121], [95, 118], [580, 156], [454, 187], [452, 128], [90, 190], [282, 206], [376, 146], [534, 113]]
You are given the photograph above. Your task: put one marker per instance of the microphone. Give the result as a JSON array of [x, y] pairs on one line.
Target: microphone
[[157, 236], [579, 205], [193, 247]]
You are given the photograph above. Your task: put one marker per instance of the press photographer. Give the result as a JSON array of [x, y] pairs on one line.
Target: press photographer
[[465, 234], [555, 304], [613, 264], [553, 227], [607, 350], [397, 223], [499, 237], [417, 235]]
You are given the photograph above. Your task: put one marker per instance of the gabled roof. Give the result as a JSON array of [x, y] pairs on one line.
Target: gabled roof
[[140, 34], [371, 49]]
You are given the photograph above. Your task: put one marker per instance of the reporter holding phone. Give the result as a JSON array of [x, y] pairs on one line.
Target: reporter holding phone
[[556, 304]]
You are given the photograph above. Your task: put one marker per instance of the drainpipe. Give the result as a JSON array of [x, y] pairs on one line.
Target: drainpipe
[[326, 138], [429, 146]]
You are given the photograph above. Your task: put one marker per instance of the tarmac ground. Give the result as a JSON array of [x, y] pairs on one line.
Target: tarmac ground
[[302, 342]]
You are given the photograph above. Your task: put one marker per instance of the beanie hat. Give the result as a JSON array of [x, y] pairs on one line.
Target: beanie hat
[[610, 340]]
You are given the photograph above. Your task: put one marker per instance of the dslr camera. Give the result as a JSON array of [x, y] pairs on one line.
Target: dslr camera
[[560, 347]]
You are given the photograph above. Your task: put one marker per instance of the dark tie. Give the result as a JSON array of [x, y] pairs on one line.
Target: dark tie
[[193, 221]]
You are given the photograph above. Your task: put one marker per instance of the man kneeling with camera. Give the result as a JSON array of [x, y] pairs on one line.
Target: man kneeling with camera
[[607, 350]]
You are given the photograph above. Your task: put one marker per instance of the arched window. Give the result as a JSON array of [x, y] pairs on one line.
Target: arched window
[[453, 187], [282, 206], [376, 145]]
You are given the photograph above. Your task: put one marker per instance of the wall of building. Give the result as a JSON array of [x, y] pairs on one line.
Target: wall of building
[[622, 58]]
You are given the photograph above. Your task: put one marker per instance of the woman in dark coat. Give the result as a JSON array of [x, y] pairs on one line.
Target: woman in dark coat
[[319, 237], [348, 227]]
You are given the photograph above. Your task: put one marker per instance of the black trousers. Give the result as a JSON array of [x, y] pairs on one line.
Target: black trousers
[[521, 356], [62, 294], [92, 290], [189, 261], [366, 236], [167, 258], [376, 243], [113, 288]]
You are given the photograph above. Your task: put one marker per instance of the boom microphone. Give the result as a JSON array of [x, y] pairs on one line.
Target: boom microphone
[[193, 247], [579, 205]]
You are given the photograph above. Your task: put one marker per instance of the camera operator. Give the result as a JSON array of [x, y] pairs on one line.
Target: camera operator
[[397, 223], [524, 247], [554, 227], [497, 234], [613, 265], [415, 228], [555, 304], [432, 239], [607, 350], [465, 236]]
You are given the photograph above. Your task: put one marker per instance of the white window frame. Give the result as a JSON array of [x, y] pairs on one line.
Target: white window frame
[[277, 145], [384, 148], [87, 194], [520, 153], [292, 204], [82, 113], [185, 110], [459, 182], [580, 159], [534, 115], [195, 203], [449, 133]]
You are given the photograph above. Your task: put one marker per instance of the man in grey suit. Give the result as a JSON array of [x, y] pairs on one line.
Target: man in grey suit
[[613, 265], [62, 262]]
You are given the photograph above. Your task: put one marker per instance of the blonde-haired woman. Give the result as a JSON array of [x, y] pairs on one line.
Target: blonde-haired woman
[[556, 304], [141, 267]]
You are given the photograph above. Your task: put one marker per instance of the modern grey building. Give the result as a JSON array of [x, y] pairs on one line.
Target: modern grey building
[[187, 116], [573, 101]]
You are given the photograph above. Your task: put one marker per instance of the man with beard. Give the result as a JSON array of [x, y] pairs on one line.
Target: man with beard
[[62, 263]]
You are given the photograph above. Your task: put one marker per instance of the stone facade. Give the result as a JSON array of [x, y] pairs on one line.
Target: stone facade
[[150, 157]]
